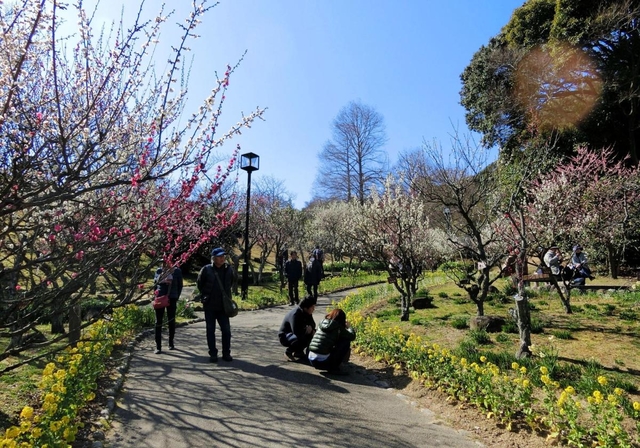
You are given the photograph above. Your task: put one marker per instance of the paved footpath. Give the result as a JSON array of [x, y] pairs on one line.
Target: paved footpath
[[178, 399]]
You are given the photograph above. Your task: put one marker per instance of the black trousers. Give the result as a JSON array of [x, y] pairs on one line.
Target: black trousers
[[293, 291], [171, 322], [312, 290]]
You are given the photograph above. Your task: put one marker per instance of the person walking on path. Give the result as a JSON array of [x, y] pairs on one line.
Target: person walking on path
[[297, 330], [214, 281], [171, 283], [313, 275], [331, 345], [293, 272]]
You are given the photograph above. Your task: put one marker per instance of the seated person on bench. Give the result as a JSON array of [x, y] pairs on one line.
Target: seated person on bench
[[579, 264], [553, 260]]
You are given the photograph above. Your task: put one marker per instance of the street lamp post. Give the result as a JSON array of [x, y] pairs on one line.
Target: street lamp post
[[249, 162]]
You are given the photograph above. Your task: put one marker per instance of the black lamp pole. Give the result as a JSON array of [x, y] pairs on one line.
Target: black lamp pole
[[249, 162]]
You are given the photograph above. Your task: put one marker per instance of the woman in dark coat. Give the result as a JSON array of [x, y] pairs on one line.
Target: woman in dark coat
[[170, 283], [331, 344]]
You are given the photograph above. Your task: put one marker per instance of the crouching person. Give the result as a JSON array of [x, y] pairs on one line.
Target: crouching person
[[331, 345], [297, 330]]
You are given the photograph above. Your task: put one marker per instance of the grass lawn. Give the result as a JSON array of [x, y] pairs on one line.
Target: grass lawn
[[602, 333]]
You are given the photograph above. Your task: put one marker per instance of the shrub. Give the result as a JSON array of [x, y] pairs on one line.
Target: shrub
[[562, 334], [386, 314], [510, 327], [502, 338], [480, 337], [608, 309], [628, 315], [460, 323], [537, 326], [443, 294], [419, 321]]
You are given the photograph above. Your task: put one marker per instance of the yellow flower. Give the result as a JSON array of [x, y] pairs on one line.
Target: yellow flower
[[37, 432], [515, 366], [523, 370], [618, 391], [544, 370], [525, 383], [570, 390], [27, 412], [12, 432], [602, 380], [483, 359], [636, 406]]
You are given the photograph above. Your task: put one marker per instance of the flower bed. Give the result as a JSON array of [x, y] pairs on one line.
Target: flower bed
[[604, 417], [69, 383]]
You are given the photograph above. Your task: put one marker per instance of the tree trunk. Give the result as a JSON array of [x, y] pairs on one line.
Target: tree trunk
[[614, 264], [523, 317], [566, 301], [406, 299], [405, 308], [473, 295], [524, 326], [75, 322], [57, 323]]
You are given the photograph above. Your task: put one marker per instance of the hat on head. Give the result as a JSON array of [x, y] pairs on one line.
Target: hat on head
[[307, 302], [577, 247], [218, 252]]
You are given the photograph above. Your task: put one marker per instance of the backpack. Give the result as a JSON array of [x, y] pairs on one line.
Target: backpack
[[310, 265]]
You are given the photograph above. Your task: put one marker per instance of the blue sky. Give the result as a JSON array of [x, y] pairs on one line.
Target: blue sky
[[308, 59]]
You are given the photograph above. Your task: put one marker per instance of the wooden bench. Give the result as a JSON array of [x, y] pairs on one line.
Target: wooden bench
[[538, 278]]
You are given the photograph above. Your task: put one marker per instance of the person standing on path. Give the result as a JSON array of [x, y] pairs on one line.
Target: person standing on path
[[313, 275], [293, 272], [297, 329], [214, 281], [171, 283]]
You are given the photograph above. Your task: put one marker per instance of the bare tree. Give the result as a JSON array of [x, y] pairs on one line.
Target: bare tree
[[465, 189], [352, 162]]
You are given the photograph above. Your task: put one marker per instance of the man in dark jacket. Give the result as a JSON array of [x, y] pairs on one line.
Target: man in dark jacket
[[293, 272], [297, 329], [214, 281]]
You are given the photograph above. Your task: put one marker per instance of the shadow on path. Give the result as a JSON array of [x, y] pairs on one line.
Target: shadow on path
[[178, 399]]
